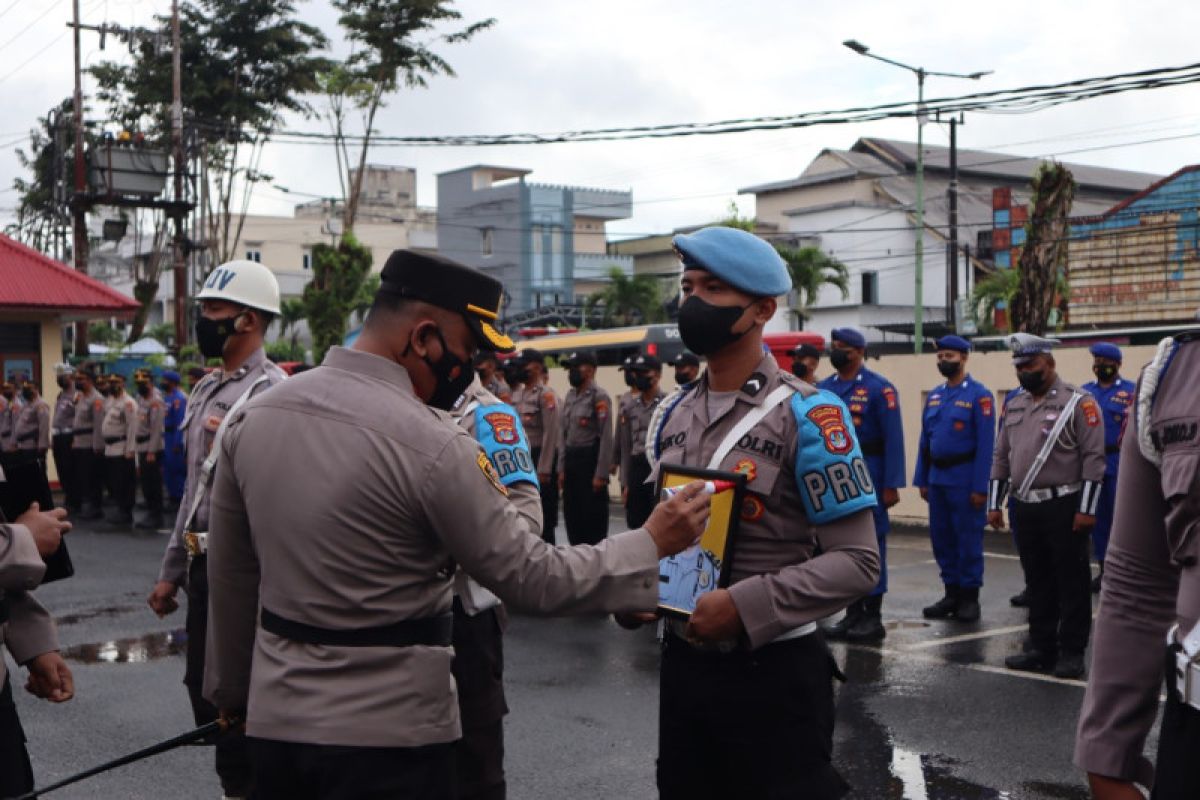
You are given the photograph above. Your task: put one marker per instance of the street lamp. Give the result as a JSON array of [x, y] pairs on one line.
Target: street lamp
[[920, 72]]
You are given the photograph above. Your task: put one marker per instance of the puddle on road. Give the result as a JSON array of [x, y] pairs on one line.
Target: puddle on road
[[84, 616], [137, 650]]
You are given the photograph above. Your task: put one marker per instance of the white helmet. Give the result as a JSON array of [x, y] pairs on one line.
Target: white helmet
[[246, 283]]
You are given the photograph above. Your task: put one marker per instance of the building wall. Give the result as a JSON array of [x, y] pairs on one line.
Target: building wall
[[468, 216], [770, 208]]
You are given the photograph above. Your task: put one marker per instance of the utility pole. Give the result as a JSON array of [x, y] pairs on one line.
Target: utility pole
[[80, 247], [919, 306], [952, 247], [180, 264]]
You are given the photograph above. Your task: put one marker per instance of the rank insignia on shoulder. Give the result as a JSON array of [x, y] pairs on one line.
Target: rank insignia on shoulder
[[504, 427], [832, 425], [485, 466], [754, 384]]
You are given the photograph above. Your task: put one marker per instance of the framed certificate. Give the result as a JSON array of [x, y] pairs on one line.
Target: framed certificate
[[685, 577]]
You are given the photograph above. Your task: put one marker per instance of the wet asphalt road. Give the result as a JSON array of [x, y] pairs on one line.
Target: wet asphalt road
[[930, 715]]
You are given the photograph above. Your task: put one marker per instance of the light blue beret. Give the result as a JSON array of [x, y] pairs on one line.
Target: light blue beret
[[849, 336], [953, 342], [1106, 350], [741, 259]]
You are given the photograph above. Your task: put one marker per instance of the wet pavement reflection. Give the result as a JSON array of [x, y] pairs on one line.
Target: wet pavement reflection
[[137, 650]]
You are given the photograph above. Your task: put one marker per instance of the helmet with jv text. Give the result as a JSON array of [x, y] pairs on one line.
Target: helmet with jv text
[[246, 283]]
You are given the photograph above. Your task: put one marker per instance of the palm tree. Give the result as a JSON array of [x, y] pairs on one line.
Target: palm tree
[[994, 292], [810, 269], [291, 313], [627, 300], [1044, 257]]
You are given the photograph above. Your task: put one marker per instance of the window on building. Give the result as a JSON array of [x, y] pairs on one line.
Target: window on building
[[870, 288], [306, 259], [254, 253], [485, 243]]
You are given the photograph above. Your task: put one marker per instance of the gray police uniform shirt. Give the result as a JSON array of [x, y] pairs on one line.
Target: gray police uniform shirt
[[89, 414], [31, 430], [29, 631], [342, 501], [777, 584], [539, 409], [632, 424], [151, 413], [586, 420], [1151, 577], [120, 422], [210, 401], [64, 412], [1077, 456], [8, 411]]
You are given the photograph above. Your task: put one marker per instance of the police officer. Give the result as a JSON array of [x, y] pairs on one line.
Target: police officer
[[173, 463], [1151, 595], [31, 430], [85, 432], [61, 424], [342, 501], [100, 475], [479, 618], [746, 705], [805, 360], [237, 303], [636, 494], [119, 429], [875, 408], [687, 368], [1050, 453], [8, 415], [487, 368], [954, 461], [151, 413], [539, 408], [585, 452], [27, 630], [626, 397], [1115, 396]]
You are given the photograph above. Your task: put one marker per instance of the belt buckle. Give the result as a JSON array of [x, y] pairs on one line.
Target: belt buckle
[[191, 542]]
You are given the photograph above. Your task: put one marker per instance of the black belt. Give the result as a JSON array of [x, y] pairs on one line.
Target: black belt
[[77, 431], [113, 439], [427, 631], [871, 448], [26, 437], [953, 461], [1111, 449], [143, 439]]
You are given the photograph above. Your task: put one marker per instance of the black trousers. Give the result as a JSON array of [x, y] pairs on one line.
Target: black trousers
[[89, 475], [1177, 772], [478, 670], [295, 771], [122, 481], [585, 510], [151, 479], [549, 492], [16, 774], [1057, 574], [751, 725], [232, 758], [641, 494], [64, 463]]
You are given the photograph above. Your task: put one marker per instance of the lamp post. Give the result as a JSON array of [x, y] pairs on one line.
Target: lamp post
[[921, 73]]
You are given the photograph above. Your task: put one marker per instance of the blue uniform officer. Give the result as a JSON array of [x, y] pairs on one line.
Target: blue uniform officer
[[954, 461], [1115, 396], [174, 465], [875, 409]]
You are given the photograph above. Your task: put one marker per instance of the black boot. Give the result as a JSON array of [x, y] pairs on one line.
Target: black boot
[[1020, 600], [869, 627], [968, 605], [837, 631], [945, 607], [1031, 661]]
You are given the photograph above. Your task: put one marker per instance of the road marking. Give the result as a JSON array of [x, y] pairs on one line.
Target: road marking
[[966, 637], [906, 765], [909, 655], [894, 567], [986, 554]]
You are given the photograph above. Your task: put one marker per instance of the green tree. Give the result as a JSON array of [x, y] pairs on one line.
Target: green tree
[[41, 197], [104, 334], [810, 269], [734, 219], [1043, 262], [627, 300], [393, 42], [366, 296], [993, 293], [162, 333], [291, 313], [329, 298]]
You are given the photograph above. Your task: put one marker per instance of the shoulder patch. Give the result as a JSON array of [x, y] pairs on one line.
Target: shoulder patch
[[485, 466], [504, 427], [831, 474], [832, 425], [601, 408], [747, 468], [1091, 412], [985, 405], [889, 394]]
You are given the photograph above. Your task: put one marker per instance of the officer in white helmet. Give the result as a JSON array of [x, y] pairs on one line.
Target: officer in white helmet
[[237, 304]]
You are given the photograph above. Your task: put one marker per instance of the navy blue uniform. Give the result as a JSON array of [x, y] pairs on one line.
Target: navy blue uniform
[[875, 408], [954, 461], [1114, 402], [174, 462]]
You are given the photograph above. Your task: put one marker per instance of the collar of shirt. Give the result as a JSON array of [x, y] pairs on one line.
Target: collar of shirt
[[373, 366], [256, 360], [753, 392]]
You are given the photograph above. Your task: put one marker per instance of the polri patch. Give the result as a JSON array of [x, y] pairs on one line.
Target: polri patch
[[985, 406], [832, 425], [889, 394], [504, 427], [1091, 413]]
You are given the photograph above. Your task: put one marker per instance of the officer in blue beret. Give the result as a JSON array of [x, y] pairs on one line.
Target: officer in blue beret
[[954, 461], [1115, 396], [174, 465], [875, 408]]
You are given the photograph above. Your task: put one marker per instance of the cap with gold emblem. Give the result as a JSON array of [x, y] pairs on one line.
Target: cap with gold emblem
[[455, 287]]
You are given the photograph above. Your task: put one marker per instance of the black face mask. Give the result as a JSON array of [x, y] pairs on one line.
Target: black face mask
[[630, 380], [575, 377], [143, 389], [1031, 380], [1105, 372], [642, 382], [705, 328], [681, 379], [949, 368], [449, 385], [62, 383], [799, 368], [839, 358], [212, 334], [27, 394]]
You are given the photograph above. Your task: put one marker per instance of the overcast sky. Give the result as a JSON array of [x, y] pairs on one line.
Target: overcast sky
[[552, 66]]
